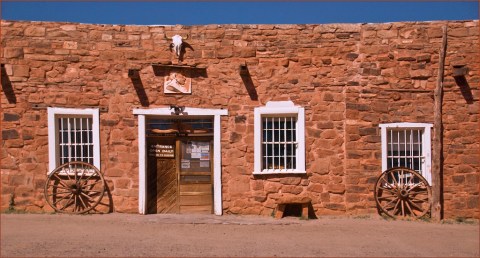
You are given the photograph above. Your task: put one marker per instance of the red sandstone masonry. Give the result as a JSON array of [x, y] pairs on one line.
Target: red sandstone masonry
[[343, 74]]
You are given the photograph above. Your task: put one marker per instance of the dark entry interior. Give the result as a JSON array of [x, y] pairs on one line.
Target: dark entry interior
[[180, 165]]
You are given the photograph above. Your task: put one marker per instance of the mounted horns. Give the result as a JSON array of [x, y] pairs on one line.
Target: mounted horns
[[170, 38]]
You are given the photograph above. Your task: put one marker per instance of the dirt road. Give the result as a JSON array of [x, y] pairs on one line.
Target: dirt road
[[124, 235]]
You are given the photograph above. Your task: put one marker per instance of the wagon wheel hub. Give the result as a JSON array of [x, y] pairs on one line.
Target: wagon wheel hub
[[75, 189], [403, 194]]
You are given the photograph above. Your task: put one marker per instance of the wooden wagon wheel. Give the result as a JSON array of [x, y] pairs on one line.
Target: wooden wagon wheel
[[402, 192], [74, 187]]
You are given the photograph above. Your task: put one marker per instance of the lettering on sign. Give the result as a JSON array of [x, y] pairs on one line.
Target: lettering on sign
[[161, 151]]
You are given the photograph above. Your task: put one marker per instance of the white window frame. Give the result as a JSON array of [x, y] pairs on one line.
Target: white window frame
[[53, 140], [278, 108], [426, 145]]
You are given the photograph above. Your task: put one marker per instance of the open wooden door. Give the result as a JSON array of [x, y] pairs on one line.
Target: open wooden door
[[195, 180]]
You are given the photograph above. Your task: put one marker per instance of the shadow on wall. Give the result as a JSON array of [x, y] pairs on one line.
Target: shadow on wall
[[106, 204], [247, 81], [7, 86], [138, 85], [464, 88]]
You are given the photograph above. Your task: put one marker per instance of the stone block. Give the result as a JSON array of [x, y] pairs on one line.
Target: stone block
[[317, 188], [329, 134], [10, 117], [335, 206], [272, 187], [256, 185], [70, 45], [320, 166], [224, 52], [239, 185], [11, 52], [292, 189], [10, 134], [122, 183], [420, 74], [336, 188], [34, 31], [245, 52], [21, 70], [114, 172], [290, 180]]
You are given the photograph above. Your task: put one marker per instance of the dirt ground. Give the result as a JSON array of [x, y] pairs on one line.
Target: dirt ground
[[132, 235]]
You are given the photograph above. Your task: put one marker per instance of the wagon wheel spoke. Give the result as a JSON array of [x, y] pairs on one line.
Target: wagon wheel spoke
[[385, 180], [90, 184], [89, 197], [60, 181], [388, 190], [389, 203], [61, 199], [410, 209], [402, 192], [82, 202], [58, 193], [68, 203], [61, 187]]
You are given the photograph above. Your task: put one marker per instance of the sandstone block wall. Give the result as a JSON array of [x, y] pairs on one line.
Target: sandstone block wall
[[349, 77]]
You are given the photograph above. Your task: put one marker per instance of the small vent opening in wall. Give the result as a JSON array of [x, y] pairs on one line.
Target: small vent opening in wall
[[293, 210]]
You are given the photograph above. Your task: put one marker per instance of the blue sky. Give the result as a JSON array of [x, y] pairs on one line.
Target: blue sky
[[248, 12]]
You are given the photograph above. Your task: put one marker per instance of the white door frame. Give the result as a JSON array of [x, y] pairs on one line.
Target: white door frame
[[217, 151]]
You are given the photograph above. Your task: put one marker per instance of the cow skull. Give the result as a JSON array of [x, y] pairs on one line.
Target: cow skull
[[177, 43]]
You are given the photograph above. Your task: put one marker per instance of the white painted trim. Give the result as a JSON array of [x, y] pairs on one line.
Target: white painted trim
[[279, 108], [53, 135], [427, 152], [217, 166], [279, 172], [142, 159], [406, 125], [166, 111], [426, 145], [217, 150]]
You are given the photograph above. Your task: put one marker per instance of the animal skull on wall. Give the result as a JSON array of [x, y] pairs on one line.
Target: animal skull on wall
[[177, 43]]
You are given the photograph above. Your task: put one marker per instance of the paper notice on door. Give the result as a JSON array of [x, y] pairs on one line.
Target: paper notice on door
[[204, 147], [196, 155], [186, 164], [204, 164], [205, 156]]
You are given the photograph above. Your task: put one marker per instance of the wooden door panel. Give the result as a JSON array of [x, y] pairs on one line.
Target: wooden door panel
[[189, 188], [196, 209], [196, 199], [167, 185]]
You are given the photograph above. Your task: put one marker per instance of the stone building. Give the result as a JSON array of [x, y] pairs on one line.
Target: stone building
[[250, 113]]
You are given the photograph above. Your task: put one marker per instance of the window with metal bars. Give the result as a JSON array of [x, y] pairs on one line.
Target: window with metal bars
[[279, 138], [404, 149], [279, 143], [75, 139], [407, 145]]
